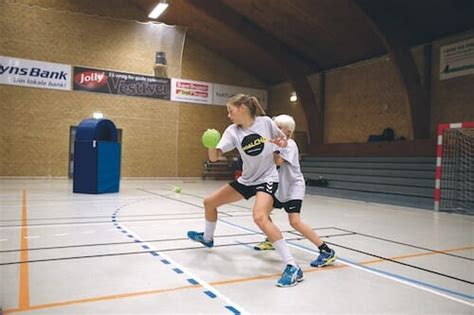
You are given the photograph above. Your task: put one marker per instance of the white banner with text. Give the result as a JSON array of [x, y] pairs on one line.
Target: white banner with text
[[38, 74], [456, 59]]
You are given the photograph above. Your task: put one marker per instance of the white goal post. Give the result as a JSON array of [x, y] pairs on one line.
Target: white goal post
[[454, 184]]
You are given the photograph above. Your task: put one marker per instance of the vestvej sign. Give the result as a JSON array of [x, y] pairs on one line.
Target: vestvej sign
[[120, 83]]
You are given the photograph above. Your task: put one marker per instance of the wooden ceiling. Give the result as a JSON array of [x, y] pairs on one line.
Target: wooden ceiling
[[274, 39]]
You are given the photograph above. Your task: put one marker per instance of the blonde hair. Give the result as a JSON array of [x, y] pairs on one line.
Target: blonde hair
[[285, 121], [251, 102]]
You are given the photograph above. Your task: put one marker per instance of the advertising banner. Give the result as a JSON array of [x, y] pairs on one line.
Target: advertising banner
[[222, 93], [37, 74], [191, 91], [456, 59], [120, 83]]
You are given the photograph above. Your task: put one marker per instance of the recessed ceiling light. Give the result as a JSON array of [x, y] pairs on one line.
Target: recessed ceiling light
[[160, 8]]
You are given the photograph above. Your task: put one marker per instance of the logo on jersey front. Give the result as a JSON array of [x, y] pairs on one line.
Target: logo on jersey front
[[253, 144]]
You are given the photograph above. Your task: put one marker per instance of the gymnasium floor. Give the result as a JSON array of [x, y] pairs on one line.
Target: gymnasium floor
[[127, 253]]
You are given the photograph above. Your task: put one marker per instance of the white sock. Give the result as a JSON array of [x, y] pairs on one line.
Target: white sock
[[284, 252], [209, 230]]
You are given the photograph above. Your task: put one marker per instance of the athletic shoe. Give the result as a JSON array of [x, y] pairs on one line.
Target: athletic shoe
[[290, 276], [324, 259], [199, 237], [265, 245]]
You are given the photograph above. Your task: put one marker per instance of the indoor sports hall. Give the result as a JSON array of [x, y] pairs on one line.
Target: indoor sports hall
[[120, 123]]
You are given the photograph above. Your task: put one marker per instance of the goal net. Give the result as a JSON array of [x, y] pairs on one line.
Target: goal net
[[454, 188]]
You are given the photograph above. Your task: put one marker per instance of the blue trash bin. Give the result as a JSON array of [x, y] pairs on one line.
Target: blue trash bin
[[96, 157]]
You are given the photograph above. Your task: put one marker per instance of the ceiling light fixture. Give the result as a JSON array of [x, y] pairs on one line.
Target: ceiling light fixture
[[160, 8]]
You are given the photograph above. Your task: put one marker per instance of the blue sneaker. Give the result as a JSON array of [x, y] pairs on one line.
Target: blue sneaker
[[324, 259], [290, 276], [199, 237]]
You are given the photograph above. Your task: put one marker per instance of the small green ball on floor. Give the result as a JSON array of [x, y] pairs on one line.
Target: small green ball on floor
[[177, 189]]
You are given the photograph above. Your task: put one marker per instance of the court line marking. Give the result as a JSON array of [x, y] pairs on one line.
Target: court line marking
[[24, 287], [108, 216], [97, 299], [231, 305], [402, 243], [196, 286], [6, 227], [197, 247], [397, 278], [215, 283], [410, 265], [345, 230], [161, 240]]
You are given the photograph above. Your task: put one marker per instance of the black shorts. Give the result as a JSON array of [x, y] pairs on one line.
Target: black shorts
[[291, 206], [251, 190]]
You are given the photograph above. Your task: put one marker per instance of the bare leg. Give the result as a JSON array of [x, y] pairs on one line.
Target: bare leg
[[261, 216], [224, 195], [309, 233]]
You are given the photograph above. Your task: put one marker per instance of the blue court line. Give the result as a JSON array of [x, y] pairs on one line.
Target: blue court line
[[192, 281], [400, 277], [460, 294], [210, 294], [233, 310]]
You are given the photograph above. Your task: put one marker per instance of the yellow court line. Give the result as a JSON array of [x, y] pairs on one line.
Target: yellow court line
[[215, 283], [24, 289], [422, 254], [97, 299]]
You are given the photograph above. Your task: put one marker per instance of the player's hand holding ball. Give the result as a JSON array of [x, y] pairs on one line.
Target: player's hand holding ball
[[210, 138]]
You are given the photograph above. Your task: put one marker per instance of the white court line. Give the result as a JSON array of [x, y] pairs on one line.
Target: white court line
[[89, 232], [30, 237], [347, 263], [81, 224], [3, 240], [61, 234], [201, 282]]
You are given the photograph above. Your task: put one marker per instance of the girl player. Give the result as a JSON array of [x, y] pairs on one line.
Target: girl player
[[252, 135], [291, 191]]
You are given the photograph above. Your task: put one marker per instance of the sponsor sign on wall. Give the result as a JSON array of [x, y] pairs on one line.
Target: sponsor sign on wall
[[48, 75], [191, 91], [456, 59], [120, 83], [31, 73], [222, 93]]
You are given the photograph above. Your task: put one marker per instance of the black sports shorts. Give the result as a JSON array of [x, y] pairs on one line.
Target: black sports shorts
[[291, 206], [251, 190]]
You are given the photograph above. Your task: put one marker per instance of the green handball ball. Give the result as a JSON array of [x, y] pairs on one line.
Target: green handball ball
[[210, 138]]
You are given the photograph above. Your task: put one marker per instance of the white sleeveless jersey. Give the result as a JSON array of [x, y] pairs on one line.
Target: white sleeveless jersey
[[255, 149], [292, 185]]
